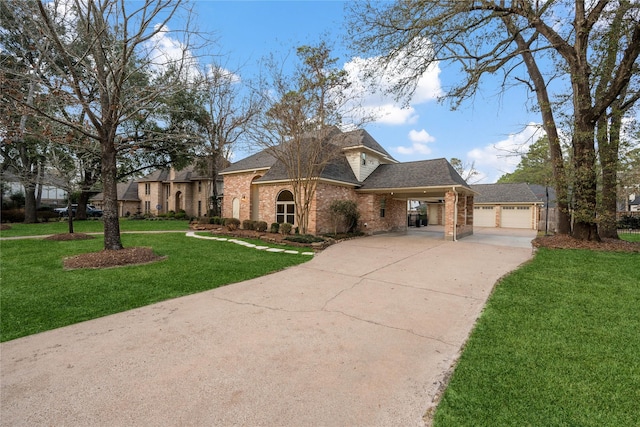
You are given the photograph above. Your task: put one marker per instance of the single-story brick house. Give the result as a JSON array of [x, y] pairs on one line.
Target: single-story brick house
[[257, 188], [506, 206]]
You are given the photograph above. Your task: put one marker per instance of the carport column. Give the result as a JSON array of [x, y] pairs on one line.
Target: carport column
[[450, 215]]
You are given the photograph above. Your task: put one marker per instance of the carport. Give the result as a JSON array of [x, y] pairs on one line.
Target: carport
[[434, 182]]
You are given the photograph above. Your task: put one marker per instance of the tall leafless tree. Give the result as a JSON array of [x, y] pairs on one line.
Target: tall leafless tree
[[302, 113], [496, 36]]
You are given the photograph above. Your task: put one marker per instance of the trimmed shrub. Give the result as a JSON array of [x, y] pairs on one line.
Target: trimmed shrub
[[232, 224], [285, 228], [629, 222], [45, 216], [345, 215], [261, 226], [248, 224], [275, 227], [12, 215]]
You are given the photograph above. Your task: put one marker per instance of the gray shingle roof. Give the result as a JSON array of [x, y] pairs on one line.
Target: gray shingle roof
[[541, 193], [424, 173], [504, 193], [127, 191], [186, 174], [260, 160], [338, 170], [357, 138]]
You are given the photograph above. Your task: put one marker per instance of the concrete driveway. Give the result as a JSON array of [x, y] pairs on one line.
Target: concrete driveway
[[362, 335]]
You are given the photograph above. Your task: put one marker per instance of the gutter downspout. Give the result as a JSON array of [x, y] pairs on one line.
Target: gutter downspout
[[455, 215]]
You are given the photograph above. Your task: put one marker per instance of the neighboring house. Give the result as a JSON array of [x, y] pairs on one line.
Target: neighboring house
[[258, 188], [506, 206], [634, 203], [174, 190], [165, 190], [128, 201], [50, 194]]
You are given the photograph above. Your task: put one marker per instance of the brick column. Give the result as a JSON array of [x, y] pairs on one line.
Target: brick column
[[449, 215]]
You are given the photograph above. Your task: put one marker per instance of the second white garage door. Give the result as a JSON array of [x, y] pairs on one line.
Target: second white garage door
[[516, 217]]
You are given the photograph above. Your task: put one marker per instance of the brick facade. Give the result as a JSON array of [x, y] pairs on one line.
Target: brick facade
[[320, 221]]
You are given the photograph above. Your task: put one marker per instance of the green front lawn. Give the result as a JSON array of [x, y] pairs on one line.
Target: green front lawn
[[36, 294], [92, 226], [558, 344]]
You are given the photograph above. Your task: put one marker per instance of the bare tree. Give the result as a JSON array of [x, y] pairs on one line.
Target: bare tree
[[467, 171], [302, 113], [486, 37], [22, 143], [105, 47], [226, 118]]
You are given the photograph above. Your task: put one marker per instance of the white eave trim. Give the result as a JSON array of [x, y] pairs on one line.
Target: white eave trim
[[416, 189], [254, 170], [324, 180]]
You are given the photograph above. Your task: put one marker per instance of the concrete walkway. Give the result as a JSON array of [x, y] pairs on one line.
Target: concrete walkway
[[361, 335]]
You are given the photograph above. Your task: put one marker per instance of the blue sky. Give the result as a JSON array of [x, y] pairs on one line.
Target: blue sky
[[485, 130]]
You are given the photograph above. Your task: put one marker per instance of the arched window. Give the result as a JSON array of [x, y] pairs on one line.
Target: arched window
[[285, 208]]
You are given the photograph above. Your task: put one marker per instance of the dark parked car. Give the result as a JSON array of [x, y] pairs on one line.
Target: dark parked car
[[92, 211]]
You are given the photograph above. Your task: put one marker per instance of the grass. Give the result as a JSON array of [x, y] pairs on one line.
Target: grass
[[36, 294], [91, 226], [557, 345]]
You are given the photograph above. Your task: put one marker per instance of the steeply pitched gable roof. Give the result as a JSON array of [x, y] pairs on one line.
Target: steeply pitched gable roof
[[504, 193], [424, 173], [360, 138], [345, 140]]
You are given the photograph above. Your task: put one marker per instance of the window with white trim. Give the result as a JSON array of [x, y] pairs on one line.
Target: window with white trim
[[285, 208]]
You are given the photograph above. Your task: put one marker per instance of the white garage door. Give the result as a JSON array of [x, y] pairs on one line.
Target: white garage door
[[484, 216], [516, 217]]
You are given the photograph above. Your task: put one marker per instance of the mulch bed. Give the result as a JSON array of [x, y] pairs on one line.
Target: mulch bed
[[111, 258], [219, 230], [568, 242]]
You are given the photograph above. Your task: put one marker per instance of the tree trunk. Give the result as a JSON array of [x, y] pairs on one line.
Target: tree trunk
[[81, 211], [110, 217], [69, 213], [549, 124], [30, 216], [608, 144], [585, 180]]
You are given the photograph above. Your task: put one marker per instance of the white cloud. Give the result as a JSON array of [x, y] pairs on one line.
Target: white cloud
[[370, 91], [419, 140], [421, 136], [502, 157], [163, 50]]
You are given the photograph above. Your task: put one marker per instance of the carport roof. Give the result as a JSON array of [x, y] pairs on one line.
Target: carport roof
[[419, 174], [504, 193]]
